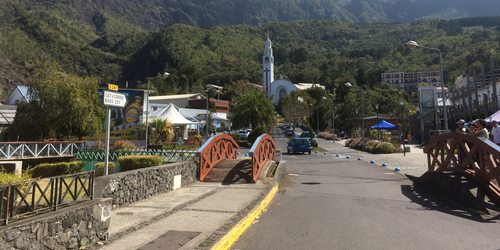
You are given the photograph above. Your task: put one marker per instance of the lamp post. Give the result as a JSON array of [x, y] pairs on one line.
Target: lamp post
[[402, 127], [207, 125], [147, 110], [413, 44], [376, 107], [348, 84], [333, 118]]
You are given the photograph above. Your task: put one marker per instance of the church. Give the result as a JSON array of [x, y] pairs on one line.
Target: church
[[281, 86]]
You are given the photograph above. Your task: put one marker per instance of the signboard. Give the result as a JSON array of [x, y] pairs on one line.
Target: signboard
[[113, 87], [114, 99]]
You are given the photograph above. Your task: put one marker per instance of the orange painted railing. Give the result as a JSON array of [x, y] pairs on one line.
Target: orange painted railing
[[472, 157], [261, 152], [216, 149]]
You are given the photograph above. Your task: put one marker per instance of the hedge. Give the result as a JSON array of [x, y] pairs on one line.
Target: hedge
[[54, 169], [100, 168], [132, 162]]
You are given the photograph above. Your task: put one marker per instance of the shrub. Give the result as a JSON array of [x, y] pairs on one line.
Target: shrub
[[132, 162], [236, 136], [384, 148], [348, 142], [121, 145], [54, 169], [371, 145], [100, 168], [9, 178], [258, 131], [180, 147], [245, 144], [198, 137]]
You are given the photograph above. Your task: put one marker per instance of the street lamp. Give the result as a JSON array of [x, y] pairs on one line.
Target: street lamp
[[402, 127], [348, 84], [147, 110], [376, 107], [207, 125], [333, 118], [412, 45]]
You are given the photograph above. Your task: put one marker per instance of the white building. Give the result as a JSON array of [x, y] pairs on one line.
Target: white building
[[409, 81]]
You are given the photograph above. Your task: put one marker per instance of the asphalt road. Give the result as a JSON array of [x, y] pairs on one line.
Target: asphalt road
[[337, 203]]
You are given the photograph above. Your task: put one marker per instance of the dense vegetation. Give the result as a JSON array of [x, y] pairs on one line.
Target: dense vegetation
[[107, 46]]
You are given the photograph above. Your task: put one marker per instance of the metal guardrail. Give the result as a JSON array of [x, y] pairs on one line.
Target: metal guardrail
[[22, 150], [21, 199], [91, 157]]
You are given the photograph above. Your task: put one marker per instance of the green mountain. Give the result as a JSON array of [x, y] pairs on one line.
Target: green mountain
[[118, 44]]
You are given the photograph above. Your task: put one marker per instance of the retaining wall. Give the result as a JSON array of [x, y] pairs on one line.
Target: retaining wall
[[132, 186], [67, 228]]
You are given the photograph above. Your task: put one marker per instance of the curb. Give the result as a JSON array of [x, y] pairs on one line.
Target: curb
[[237, 230]]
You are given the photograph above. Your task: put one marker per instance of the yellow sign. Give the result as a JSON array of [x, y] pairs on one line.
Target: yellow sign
[[113, 87]]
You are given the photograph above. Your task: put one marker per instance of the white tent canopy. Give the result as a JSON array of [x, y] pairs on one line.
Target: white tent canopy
[[171, 114], [494, 117]]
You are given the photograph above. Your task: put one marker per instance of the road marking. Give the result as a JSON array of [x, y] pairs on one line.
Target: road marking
[[293, 174]]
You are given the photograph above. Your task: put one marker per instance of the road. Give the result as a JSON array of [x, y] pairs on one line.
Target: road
[[337, 203]]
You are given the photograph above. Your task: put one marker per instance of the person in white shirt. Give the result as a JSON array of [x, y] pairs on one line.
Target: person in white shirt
[[496, 132]]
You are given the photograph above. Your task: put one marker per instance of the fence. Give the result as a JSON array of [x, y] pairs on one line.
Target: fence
[[10, 150], [21, 199], [91, 157]]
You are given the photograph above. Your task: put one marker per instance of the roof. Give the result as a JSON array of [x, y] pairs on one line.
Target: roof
[[23, 90], [170, 97], [7, 114], [172, 114], [214, 86], [194, 113]]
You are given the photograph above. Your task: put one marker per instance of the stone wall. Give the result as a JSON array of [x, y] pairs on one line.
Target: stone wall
[[132, 186], [67, 228]]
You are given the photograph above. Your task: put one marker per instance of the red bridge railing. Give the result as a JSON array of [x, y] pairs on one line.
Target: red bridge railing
[[472, 157], [216, 149], [261, 152]]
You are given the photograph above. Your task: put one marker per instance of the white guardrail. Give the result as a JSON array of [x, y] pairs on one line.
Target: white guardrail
[[22, 150]]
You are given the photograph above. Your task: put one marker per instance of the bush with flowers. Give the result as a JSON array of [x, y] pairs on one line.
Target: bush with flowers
[[328, 136], [372, 146], [121, 145]]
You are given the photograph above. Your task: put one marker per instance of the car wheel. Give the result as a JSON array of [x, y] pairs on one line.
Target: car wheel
[[309, 152]]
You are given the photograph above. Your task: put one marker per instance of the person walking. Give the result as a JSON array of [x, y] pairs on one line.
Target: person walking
[[496, 132]]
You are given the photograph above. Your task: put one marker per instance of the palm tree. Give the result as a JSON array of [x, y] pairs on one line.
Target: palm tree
[[162, 129], [253, 109]]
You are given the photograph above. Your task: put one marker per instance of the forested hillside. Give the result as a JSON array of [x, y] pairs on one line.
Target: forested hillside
[[109, 46]]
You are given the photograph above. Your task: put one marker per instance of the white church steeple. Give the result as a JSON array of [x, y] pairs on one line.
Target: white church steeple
[[267, 66]]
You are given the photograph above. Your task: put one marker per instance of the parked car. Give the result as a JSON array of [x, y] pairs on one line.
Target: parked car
[[290, 131], [307, 135], [299, 145], [244, 134]]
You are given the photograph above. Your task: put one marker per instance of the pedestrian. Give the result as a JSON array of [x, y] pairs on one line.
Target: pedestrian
[[462, 127], [481, 129], [496, 132]]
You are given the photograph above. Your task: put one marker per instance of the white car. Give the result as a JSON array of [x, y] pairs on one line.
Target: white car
[[244, 134]]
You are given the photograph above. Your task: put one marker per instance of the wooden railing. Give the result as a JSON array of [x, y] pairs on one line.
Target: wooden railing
[[474, 158], [10, 150], [216, 149], [21, 199], [261, 152]]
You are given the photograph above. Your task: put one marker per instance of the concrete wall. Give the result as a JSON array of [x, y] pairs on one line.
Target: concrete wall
[[68, 228], [132, 186]]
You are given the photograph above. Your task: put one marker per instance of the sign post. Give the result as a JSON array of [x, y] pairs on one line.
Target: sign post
[[111, 99]]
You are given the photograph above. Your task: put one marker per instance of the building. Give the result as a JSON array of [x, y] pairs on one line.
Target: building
[[409, 81], [281, 86]]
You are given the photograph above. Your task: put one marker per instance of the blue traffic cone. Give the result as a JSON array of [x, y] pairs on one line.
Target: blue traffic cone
[[337, 155], [397, 169], [325, 153], [348, 157], [359, 159], [384, 164], [372, 162], [316, 152]]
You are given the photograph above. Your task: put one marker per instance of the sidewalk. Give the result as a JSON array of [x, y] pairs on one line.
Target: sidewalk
[[192, 217], [413, 163]]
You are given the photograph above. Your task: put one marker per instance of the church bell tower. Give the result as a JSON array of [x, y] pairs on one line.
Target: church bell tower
[[267, 67]]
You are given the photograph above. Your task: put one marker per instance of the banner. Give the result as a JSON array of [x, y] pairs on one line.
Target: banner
[[125, 122]]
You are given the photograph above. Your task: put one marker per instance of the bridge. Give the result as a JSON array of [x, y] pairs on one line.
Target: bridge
[[24, 150], [219, 163], [474, 158]]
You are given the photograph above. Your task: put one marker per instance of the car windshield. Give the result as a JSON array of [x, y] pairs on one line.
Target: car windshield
[[241, 132]]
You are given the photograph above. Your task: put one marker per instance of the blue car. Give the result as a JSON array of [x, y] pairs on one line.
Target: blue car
[[299, 145]]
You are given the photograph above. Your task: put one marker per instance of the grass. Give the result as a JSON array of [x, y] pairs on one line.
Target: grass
[[319, 149]]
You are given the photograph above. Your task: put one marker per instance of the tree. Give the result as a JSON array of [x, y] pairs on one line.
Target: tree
[[254, 109], [59, 105]]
